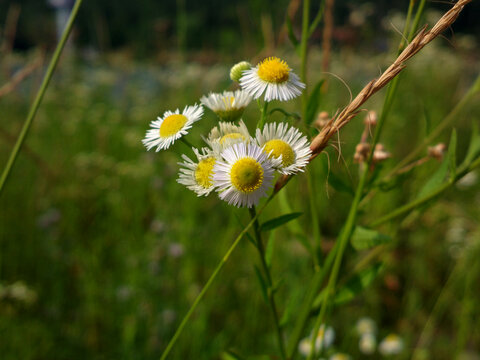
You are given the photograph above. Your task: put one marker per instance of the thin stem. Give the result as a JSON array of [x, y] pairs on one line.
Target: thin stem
[[264, 114], [416, 203], [317, 239], [186, 142], [270, 290], [352, 215], [317, 19], [210, 280], [40, 94], [450, 118]]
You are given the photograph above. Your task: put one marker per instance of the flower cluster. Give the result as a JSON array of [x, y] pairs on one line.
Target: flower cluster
[[238, 165]]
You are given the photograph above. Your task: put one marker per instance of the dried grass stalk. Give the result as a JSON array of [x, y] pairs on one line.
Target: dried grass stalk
[[320, 142]]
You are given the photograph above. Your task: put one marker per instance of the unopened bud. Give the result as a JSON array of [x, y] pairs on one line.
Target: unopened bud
[[371, 118], [379, 154], [437, 151], [237, 70], [361, 152], [322, 119]]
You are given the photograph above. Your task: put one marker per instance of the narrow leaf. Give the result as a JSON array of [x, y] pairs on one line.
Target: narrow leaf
[[313, 102], [230, 355], [279, 221], [364, 238], [435, 181]]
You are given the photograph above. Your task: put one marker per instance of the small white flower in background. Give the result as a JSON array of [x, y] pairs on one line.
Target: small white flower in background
[[391, 345], [367, 343], [468, 180], [226, 134], [340, 356], [274, 78], [172, 126], [287, 144], [228, 106], [244, 174], [366, 325], [323, 340], [198, 176]]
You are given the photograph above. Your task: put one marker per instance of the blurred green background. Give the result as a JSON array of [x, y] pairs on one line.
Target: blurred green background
[[102, 252]]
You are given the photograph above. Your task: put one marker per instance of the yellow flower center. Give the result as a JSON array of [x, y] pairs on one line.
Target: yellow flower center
[[204, 172], [246, 175], [273, 70], [172, 124], [277, 147], [231, 136]]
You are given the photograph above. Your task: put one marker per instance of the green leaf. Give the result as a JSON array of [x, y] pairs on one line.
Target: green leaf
[[452, 153], [357, 284], [290, 33], [263, 285], [279, 221], [269, 250], [473, 148], [364, 238], [313, 102], [435, 181]]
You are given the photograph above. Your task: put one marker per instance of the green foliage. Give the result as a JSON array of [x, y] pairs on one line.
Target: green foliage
[[279, 221], [364, 238]]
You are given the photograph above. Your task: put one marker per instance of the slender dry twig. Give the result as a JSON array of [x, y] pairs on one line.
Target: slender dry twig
[[320, 142], [327, 34], [20, 76]]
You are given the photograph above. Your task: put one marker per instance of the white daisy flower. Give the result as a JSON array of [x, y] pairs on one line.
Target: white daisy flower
[[287, 144], [172, 126], [391, 345], [228, 106], [244, 175], [324, 339], [366, 325], [367, 343], [274, 78], [197, 176], [227, 134]]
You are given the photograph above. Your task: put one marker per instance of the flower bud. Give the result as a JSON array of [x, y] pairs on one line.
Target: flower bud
[[237, 70], [437, 151], [371, 118]]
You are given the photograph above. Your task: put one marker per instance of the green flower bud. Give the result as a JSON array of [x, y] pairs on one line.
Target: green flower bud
[[238, 69]]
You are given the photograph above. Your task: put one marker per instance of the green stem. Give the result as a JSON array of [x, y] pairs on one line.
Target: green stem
[[306, 307], [303, 52], [416, 203], [270, 290], [450, 118], [317, 240], [264, 115], [317, 19], [352, 215], [40, 94], [186, 142], [210, 280]]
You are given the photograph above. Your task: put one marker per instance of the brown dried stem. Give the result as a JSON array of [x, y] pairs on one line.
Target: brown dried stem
[[320, 142]]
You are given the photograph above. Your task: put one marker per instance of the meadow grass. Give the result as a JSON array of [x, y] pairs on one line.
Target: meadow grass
[[116, 251]]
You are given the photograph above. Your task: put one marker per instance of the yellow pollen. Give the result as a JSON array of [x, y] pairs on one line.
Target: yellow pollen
[[277, 147], [228, 101], [231, 136], [172, 124], [246, 175], [273, 70], [204, 172]]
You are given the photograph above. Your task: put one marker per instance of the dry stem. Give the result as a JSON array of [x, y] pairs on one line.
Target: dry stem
[[320, 142]]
